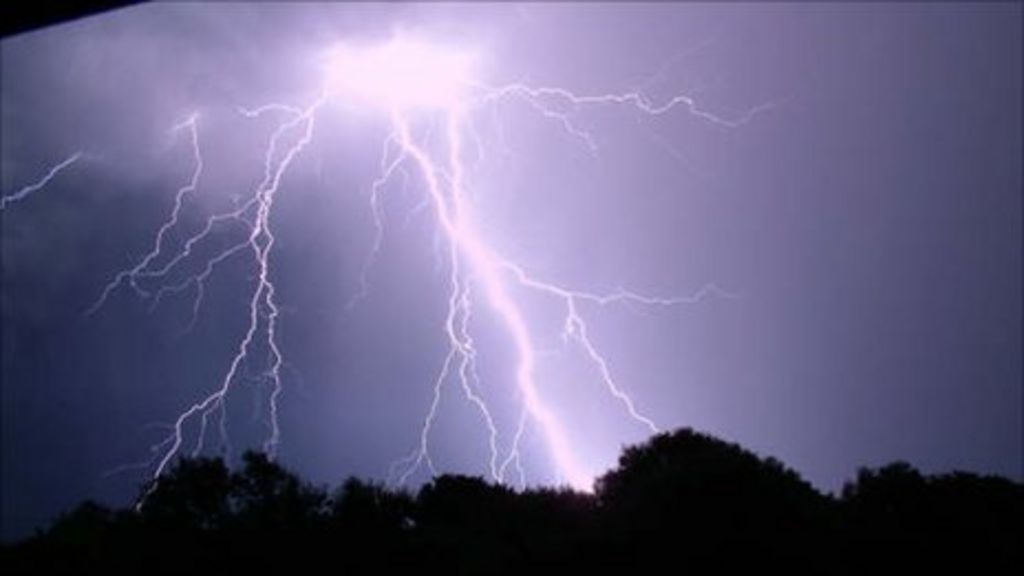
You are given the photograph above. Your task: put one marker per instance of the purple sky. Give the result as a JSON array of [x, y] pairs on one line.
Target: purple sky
[[867, 218]]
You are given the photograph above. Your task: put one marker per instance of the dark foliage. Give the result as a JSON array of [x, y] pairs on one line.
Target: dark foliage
[[688, 495], [895, 517], [684, 501]]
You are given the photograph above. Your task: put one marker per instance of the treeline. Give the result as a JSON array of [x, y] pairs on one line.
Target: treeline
[[683, 502]]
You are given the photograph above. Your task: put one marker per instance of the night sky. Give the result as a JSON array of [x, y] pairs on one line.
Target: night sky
[[849, 177]]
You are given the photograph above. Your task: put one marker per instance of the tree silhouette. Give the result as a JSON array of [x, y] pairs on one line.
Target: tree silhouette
[[558, 526], [467, 524], [683, 499], [374, 523], [195, 495], [896, 517], [691, 496], [266, 496]]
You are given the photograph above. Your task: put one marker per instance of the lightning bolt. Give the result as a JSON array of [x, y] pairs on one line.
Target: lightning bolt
[[263, 309], [470, 250], [253, 216], [478, 276], [28, 190], [132, 276]]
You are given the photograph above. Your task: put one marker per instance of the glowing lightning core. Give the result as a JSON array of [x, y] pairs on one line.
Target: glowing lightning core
[[400, 76], [408, 81]]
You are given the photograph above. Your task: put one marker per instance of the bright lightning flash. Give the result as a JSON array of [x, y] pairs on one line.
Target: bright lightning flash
[[411, 83], [399, 76]]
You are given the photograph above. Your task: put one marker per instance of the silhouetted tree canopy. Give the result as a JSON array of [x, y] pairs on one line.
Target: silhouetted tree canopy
[[699, 483], [683, 500], [194, 496]]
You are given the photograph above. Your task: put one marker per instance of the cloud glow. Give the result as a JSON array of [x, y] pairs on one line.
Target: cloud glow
[[401, 74]]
